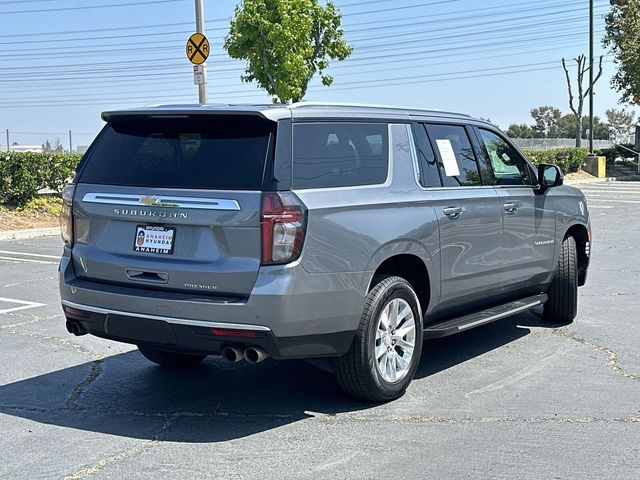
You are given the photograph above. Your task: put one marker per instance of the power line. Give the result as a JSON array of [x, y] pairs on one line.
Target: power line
[[488, 11], [359, 41], [432, 41], [347, 31], [534, 40], [342, 86], [91, 7], [104, 48]]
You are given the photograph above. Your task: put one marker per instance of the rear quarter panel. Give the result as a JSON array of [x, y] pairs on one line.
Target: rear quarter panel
[[354, 229]]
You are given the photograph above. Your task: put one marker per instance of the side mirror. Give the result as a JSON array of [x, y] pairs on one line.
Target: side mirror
[[549, 176]]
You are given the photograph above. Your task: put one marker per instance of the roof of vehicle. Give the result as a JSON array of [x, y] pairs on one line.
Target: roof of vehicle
[[295, 111]]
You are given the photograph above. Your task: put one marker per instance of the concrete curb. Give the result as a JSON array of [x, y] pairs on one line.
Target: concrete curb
[[633, 178], [590, 180], [29, 233]]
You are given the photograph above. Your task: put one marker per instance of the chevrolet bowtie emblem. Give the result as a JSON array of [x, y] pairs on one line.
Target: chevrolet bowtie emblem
[[149, 200]]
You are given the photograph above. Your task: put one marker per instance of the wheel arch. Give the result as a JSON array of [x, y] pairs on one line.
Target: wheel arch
[[581, 235], [414, 270]]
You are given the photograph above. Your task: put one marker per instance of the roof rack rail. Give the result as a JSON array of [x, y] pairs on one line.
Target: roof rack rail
[[368, 105]]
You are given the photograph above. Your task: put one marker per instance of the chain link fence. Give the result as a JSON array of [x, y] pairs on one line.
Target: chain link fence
[[549, 143]]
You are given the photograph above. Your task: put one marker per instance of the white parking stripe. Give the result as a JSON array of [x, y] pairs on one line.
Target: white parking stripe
[[23, 305], [609, 200], [27, 254], [27, 260]]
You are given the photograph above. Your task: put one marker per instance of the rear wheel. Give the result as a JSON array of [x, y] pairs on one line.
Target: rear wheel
[[170, 359], [562, 305], [386, 350]]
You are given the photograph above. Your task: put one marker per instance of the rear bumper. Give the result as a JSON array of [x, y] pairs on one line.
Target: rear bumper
[[292, 313], [182, 337]]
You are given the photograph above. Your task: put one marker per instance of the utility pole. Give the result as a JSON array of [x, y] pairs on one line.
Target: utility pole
[[70, 143], [7, 139], [202, 88], [591, 77]]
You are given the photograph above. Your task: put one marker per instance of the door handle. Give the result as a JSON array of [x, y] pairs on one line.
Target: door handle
[[452, 212], [510, 207]]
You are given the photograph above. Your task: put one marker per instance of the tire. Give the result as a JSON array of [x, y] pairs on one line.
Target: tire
[[562, 305], [361, 371], [170, 359]]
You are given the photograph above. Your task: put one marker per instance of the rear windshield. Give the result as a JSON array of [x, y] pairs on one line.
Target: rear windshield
[[222, 153]]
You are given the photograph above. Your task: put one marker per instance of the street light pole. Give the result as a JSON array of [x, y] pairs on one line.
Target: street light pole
[[202, 87], [591, 76]]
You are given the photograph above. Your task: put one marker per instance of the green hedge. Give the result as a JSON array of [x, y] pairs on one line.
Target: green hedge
[[568, 159], [612, 153], [22, 174]]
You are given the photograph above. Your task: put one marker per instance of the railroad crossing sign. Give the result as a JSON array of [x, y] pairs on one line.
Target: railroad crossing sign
[[197, 48]]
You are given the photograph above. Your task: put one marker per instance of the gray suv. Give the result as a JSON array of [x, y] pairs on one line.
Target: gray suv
[[312, 231]]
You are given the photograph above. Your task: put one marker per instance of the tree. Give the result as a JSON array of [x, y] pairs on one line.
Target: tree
[[521, 130], [621, 124], [622, 38], [546, 121], [567, 127], [577, 109], [57, 147], [285, 42]]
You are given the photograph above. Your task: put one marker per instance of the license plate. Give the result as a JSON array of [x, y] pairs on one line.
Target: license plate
[[154, 239]]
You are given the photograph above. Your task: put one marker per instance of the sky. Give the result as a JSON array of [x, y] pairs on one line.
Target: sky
[[62, 62]]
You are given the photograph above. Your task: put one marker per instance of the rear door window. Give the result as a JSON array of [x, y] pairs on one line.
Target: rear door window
[[457, 160], [198, 153], [341, 154]]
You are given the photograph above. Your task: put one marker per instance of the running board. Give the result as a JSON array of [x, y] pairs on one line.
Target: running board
[[459, 324]]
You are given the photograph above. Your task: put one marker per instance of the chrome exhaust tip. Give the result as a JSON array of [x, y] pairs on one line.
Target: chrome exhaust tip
[[232, 354], [255, 354]]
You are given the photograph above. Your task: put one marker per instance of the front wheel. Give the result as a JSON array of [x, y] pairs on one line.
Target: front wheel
[[562, 305], [170, 359], [386, 349]]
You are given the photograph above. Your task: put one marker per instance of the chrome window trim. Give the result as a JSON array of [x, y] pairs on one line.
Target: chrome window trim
[[163, 201], [173, 320]]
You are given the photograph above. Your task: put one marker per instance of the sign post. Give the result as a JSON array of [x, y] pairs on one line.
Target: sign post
[[197, 53]]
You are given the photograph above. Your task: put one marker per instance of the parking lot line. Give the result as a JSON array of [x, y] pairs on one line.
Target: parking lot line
[[27, 260], [28, 254], [24, 305]]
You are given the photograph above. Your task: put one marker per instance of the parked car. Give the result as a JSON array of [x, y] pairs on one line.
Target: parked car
[[313, 231]]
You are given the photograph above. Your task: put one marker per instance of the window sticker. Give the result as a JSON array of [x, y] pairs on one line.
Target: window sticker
[[448, 157]]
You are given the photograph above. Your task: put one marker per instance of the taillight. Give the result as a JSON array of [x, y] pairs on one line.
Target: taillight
[[283, 224], [66, 217]]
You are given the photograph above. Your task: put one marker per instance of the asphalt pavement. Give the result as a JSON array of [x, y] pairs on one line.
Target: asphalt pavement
[[513, 399]]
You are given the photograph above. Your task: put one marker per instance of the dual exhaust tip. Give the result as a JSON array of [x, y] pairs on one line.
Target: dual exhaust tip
[[75, 328], [250, 354]]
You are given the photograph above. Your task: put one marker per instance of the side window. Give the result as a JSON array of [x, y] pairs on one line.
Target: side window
[[457, 160], [508, 166], [340, 154], [427, 163]]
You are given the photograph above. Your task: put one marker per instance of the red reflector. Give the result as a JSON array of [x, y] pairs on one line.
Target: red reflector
[[220, 332], [74, 311]]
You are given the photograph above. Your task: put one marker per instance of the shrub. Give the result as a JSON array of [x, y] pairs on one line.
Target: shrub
[[614, 152], [22, 174], [568, 159]]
